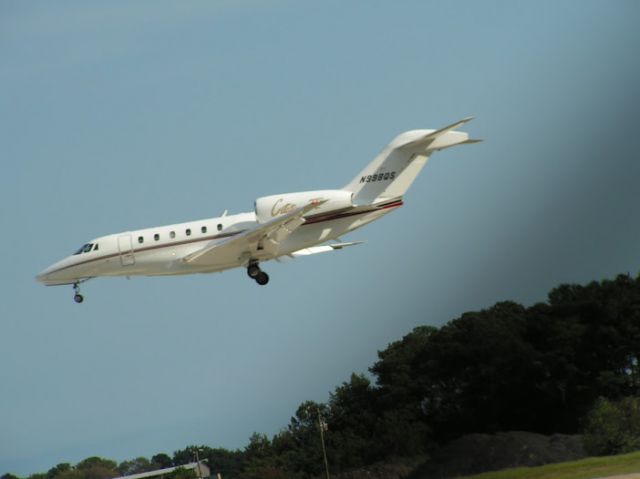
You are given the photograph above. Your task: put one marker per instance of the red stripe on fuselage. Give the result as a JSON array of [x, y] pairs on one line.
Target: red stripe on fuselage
[[308, 221], [335, 216]]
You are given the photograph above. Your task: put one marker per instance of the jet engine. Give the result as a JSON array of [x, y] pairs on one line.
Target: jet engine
[[270, 207]]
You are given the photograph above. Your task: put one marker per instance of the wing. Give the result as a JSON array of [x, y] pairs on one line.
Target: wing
[[262, 240], [323, 248]]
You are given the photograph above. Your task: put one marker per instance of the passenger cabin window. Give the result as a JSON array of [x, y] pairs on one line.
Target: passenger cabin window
[[156, 236], [219, 227], [188, 232], [172, 234], [140, 239], [203, 229]]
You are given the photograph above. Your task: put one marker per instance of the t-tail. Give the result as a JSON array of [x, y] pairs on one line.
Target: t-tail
[[392, 172]]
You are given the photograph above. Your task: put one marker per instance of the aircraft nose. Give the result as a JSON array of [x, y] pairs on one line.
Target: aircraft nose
[[47, 275], [42, 276], [62, 272]]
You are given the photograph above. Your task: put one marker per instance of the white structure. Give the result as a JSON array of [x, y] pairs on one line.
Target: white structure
[[200, 470]]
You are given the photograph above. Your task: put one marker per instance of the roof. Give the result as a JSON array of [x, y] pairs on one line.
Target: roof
[[168, 470]]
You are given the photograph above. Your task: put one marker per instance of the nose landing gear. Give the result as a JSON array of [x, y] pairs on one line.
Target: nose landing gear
[[77, 297], [262, 278], [255, 273]]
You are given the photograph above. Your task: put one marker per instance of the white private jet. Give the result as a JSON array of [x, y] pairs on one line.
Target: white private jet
[[290, 224]]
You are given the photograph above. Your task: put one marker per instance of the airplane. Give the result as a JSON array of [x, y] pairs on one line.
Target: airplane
[[284, 225]]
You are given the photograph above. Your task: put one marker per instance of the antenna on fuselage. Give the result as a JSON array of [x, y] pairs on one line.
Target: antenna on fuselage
[[225, 213]]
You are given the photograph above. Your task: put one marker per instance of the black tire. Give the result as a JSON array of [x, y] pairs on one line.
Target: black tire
[[262, 278], [253, 270], [78, 298]]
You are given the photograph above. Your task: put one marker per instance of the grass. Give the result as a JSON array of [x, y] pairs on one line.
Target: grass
[[590, 468]]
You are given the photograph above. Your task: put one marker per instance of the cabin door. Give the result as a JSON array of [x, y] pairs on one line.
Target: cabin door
[[125, 247]]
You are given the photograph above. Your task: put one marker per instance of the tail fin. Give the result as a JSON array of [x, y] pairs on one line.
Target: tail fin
[[393, 171]]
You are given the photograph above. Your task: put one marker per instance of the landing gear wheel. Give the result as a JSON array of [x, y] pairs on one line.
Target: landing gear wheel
[[262, 278], [253, 270], [77, 297]]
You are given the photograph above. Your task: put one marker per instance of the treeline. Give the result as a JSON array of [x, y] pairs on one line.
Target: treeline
[[100, 468], [509, 367]]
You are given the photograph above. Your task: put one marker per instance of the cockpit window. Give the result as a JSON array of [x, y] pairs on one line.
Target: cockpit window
[[85, 248]]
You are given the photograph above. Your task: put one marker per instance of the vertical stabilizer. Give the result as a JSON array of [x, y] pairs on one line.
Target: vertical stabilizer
[[393, 171]]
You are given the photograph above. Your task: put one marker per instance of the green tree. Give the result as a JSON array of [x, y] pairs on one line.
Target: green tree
[[220, 460], [161, 461], [352, 421], [227, 463], [93, 468], [588, 338], [186, 455], [613, 427], [95, 461], [72, 474], [260, 460], [58, 469], [299, 447], [135, 466], [510, 367], [466, 376]]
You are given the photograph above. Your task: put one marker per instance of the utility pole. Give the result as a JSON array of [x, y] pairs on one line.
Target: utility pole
[[198, 461], [322, 425]]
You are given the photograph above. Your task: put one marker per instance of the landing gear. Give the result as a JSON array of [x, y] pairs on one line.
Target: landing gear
[[253, 270], [255, 273], [262, 278], [77, 297]]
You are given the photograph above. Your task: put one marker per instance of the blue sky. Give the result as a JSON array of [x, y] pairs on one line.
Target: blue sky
[[122, 115]]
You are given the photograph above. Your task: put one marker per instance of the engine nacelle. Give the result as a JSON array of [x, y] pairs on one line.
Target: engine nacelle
[[270, 207]]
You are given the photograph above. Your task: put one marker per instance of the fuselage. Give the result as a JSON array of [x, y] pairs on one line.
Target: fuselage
[[159, 250], [289, 224]]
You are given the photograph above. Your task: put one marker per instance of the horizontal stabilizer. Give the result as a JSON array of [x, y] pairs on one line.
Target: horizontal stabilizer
[[428, 138]]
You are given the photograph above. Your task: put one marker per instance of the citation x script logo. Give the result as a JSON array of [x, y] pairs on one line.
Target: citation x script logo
[[279, 208], [388, 176]]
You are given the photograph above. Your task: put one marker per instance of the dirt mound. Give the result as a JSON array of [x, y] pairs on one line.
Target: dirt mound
[[475, 453], [400, 469]]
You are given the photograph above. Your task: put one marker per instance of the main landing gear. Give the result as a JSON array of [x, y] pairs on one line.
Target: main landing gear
[[77, 297], [254, 272]]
